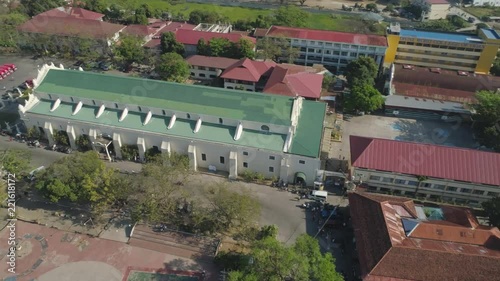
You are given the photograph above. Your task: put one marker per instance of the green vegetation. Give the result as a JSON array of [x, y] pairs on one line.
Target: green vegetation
[[492, 209], [250, 176], [15, 161], [451, 24], [363, 97], [129, 50], [222, 47], [495, 69], [172, 67], [270, 259], [9, 117], [482, 12], [487, 119], [8, 32]]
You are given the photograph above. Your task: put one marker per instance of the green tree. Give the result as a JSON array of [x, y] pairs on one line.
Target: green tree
[[129, 50], [9, 36], [169, 44], [495, 68], [290, 16], [487, 119], [81, 177], [114, 13], [60, 137], [34, 133], [97, 6], [418, 8], [203, 49], [172, 67], [83, 143], [15, 161], [492, 209], [35, 7], [201, 16], [328, 81], [244, 48], [277, 49], [362, 70], [302, 261], [220, 47], [364, 98], [437, 25], [371, 7]]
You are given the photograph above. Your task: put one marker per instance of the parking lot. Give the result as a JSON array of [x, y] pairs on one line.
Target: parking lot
[[422, 131]]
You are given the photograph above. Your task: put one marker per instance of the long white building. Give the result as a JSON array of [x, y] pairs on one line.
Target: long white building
[[227, 129]]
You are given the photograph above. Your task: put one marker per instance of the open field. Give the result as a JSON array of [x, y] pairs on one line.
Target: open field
[[483, 11], [323, 21]]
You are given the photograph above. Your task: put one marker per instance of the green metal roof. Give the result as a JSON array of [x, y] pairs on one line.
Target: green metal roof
[[309, 132], [158, 124], [212, 101]]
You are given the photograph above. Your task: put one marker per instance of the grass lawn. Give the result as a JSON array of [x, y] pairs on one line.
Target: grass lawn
[[316, 21], [482, 11]]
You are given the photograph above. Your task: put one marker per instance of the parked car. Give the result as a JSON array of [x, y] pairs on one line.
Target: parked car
[[11, 66], [104, 66], [79, 63]]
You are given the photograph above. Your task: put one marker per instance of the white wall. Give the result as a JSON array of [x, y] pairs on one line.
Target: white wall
[[232, 85], [258, 159], [196, 71], [437, 186]]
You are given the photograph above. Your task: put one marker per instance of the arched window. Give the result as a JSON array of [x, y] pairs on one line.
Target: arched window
[[264, 128]]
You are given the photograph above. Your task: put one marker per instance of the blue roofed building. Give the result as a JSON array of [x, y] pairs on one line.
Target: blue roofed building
[[451, 51], [219, 129]]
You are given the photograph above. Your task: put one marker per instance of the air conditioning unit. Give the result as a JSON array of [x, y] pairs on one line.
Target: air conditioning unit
[[395, 112]]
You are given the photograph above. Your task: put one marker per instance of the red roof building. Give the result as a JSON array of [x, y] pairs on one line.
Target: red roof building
[[434, 161], [397, 240], [247, 74], [71, 26], [328, 36], [211, 62], [191, 37], [146, 32], [75, 12], [445, 85], [289, 82], [171, 26]]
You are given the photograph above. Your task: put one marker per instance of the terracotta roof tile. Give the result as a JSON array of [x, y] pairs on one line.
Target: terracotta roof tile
[[139, 30], [215, 62], [248, 70], [436, 161], [329, 36], [290, 83], [422, 255], [70, 26]]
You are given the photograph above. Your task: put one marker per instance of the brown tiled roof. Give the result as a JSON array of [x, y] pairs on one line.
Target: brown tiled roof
[[248, 70], [446, 85], [70, 26], [287, 82], [139, 30], [460, 253], [75, 12], [260, 32], [215, 62]]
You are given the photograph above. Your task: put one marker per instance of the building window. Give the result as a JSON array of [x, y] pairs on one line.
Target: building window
[[116, 105], [438, 186], [203, 157], [272, 157], [221, 159], [139, 108], [245, 165], [245, 153], [451, 188], [264, 128], [192, 74], [93, 102], [271, 169], [425, 184], [387, 180], [212, 76], [302, 162], [399, 181], [466, 190], [493, 194], [211, 69], [478, 192], [413, 183], [374, 178], [163, 112], [202, 74], [188, 116], [220, 121]]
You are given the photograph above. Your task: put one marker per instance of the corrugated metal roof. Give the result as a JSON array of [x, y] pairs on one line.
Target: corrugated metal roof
[[426, 160]]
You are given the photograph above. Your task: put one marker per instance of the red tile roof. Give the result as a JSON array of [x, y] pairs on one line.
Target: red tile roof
[[260, 32], [387, 254], [215, 62], [70, 26], [75, 12], [191, 37], [248, 70], [434, 161], [174, 26], [446, 85], [287, 82], [139, 30], [329, 36]]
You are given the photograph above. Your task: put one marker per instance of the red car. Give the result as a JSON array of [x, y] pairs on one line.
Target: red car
[[29, 82], [4, 72], [11, 66], [5, 69]]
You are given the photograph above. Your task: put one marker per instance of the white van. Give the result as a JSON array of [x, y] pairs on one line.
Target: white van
[[318, 195]]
